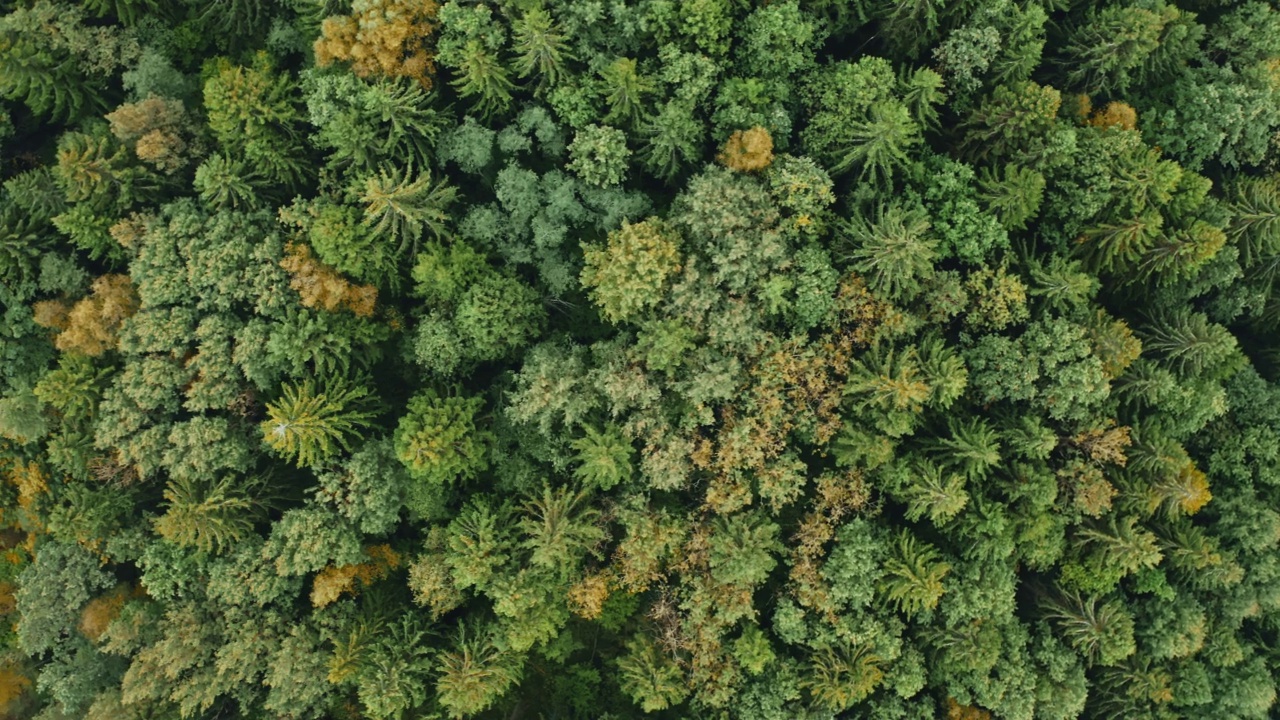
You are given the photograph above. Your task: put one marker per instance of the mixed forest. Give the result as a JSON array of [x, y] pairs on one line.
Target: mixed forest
[[683, 359]]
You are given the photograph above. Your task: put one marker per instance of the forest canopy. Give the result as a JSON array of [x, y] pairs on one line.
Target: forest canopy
[[706, 359]]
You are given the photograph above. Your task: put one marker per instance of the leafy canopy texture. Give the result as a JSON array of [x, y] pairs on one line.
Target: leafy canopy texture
[[671, 359]]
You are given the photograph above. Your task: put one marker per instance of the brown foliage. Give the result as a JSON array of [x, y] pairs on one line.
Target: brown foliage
[[747, 150], [587, 597], [156, 128], [382, 37], [129, 231], [13, 685], [956, 711], [322, 287], [94, 321], [1091, 493], [1105, 446], [53, 314], [102, 610]]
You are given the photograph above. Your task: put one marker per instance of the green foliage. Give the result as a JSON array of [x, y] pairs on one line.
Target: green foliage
[[253, 113], [404, 208], [894, 252], [469, 46], [577, 401], [474, 672], [310, 423], [650, 678], [630, 273], [599, 155], [437, 438], [211, 515], [51, 592], [913, 576], [604, 458]]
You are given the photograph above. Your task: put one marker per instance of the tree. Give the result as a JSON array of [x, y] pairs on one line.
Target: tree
[[404, 208], [474, 672], [541, 46], [437, 438], [1189, 344], [838, 678], [879, 144], [92, 325], [599, 155], [558, 529], [649, 678], [56, 63], [894, 252], [253, 113], [1107, 50], [469, 46], [630, 273], [604, 457], [747, 151], [310, 422], [625, 92], [912, 581], [212, 515], [1100, 631], [390, 38]]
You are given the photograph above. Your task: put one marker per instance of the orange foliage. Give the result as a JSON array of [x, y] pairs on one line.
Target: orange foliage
[[1084, 105], [837, 497], [322, 287], [129, 231], [8, 602], [1114, 343], [1115, 114], [332, 582], [31, 483], [747, 150], [94, 321], [382, 37], [1092, 492], [13, 684], [1187, 490]]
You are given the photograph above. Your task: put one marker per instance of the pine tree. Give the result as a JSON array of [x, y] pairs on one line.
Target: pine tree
[[894, 252], [604, 457], [878, 146], [624, 91], [474, 672], [403, 208], [929, 491], [1190, 344], [652, 680], [311, 423], [913, 575], [1102, 632], [560, 527], [838, 678], [540, 46], [973, 448], [212, 515]]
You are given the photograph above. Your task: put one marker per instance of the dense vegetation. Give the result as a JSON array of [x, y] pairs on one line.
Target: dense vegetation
[[705, 359]]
